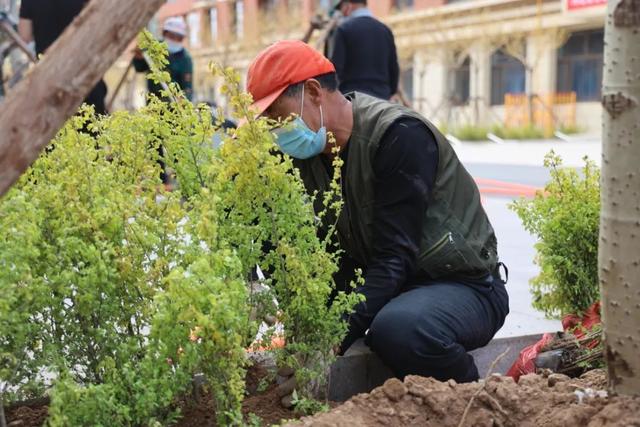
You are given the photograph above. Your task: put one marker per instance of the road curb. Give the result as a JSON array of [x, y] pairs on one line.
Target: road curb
[[360, 370]]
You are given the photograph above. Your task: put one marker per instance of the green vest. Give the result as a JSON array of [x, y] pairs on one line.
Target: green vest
[[457, 238]]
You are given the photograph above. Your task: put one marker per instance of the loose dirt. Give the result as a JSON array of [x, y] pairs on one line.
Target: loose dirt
[[537, 400], [553, 400], [261, 400], [27, 416], [265, 405]]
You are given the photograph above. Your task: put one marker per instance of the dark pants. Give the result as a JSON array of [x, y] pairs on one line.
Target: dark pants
[[428, 329], [97, 97]]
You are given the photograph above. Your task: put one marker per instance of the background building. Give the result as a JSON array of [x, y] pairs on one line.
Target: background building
[[463, 59], [474, 62]]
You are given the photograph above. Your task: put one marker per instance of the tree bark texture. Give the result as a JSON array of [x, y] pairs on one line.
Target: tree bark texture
[[619, 246], [38, 106]]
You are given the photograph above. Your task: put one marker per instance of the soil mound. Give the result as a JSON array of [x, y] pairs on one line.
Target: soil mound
[[537, 400]]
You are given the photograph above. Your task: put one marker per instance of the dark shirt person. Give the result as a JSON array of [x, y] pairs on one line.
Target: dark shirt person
[[180, 67], [43, 21], [364, 52], [412, 218]]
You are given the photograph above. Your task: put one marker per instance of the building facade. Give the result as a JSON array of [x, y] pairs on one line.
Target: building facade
[[473, 62]]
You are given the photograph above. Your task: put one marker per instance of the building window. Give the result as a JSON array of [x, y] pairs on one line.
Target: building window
[[239, 18], [508, 75], [268, 5], [459, 82], [193, 21], [401, 5], [406, 83], [580, 65], [325, 5], [213, 16]]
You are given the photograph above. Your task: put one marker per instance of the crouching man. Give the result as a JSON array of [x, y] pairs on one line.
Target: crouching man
[[412, 217]]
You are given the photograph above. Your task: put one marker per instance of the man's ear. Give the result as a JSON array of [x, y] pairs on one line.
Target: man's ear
[[313, 90]]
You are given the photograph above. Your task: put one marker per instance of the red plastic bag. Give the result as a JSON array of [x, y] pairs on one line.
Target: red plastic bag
[[524, 364], [572, 323], [579, 326]]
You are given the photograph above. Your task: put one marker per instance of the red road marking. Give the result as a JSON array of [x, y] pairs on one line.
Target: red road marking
[[503, 188]]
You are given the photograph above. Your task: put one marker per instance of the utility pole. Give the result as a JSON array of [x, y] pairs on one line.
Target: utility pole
[[619, 246]]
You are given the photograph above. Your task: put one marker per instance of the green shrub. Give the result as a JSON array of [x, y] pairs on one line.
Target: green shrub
[[479, 133], [114, 292], [265, 204], [85, 246], [570, 129], [518, 132], [565, 218], [443, 128], [471, 133]]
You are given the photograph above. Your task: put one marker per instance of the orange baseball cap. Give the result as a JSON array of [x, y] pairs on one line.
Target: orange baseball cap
[[280, 65]]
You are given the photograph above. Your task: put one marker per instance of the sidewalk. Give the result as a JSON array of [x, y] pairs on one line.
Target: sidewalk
[[516, 249], [530, 153]]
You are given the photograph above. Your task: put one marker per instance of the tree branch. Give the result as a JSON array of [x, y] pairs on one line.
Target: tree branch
[[38, 106]]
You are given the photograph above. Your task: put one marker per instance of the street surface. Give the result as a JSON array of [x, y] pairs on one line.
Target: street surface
[[505, 172]]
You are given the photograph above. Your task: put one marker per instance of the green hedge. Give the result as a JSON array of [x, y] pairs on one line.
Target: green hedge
[[565, 217]]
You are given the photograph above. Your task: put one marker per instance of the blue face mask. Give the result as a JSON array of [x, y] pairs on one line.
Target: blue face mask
[[300, 142], [173, 47]]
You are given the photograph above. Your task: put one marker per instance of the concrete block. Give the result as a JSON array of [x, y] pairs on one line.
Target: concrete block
[[485, 356], [360, 370]]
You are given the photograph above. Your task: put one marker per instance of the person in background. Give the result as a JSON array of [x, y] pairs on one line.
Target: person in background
[[43, 21], [364, 52], [180, 67]]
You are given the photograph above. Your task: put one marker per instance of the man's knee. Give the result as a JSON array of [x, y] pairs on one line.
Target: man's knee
[[389, 331], [409, 345], [399, 339]]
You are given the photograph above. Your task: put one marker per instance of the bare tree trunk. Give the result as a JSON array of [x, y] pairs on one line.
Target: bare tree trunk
[[619, 254], [36, 108]]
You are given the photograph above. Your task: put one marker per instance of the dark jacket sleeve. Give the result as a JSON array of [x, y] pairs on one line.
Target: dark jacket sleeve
[[394, 68], [338, 53], [140, 65], [26, 9], [405, 169]]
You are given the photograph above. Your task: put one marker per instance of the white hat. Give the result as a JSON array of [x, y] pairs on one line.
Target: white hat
[[175, 24]]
